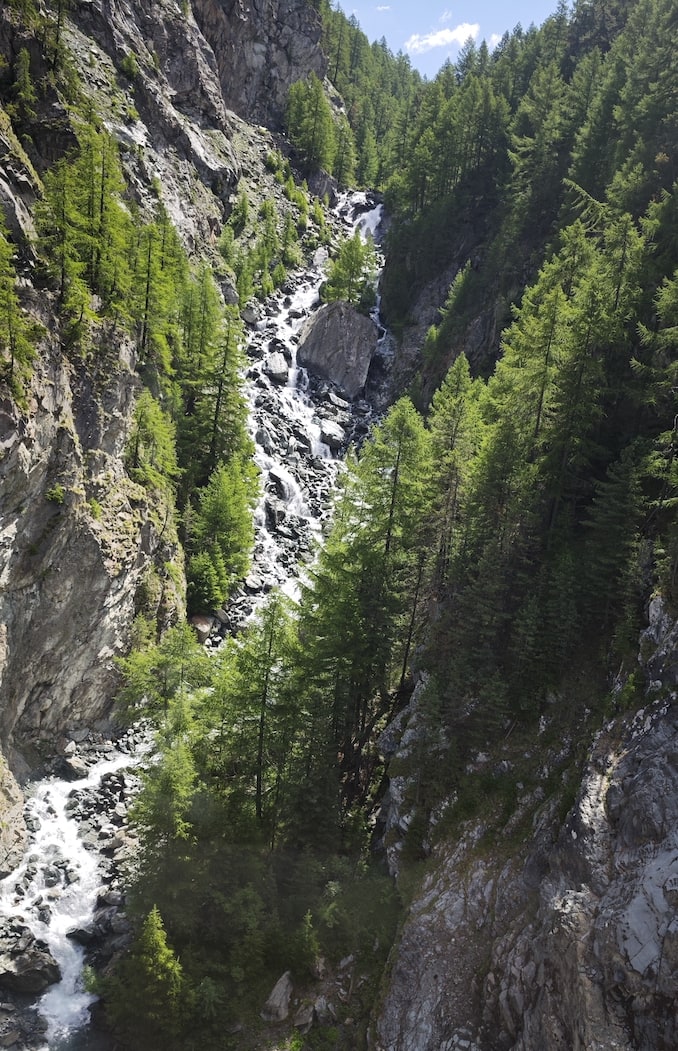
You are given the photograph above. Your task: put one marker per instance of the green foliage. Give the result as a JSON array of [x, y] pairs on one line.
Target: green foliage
[[155, 676], [129, 66], [56, 495], [381, 92], [512, 535], [22, 108], [351, 274], [17, 333], [144, 995], [309, 124], [222, 530], [151, 451], [239, 215]]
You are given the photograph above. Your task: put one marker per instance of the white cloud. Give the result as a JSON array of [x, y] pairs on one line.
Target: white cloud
[[384, 7], [442, 38], [446, 16], [493, 41]]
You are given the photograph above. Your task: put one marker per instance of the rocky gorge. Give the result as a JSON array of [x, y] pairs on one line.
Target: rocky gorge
[[65, 901], [544, 919]]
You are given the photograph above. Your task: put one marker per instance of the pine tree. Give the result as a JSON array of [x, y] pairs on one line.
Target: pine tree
[[17, 334], [58, 221], [144, 996], [151, 450], [21, 109], [222, 527], [351, 274], [309, 124]]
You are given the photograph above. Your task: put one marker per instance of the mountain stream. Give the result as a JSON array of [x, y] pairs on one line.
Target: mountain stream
[[67, 894]]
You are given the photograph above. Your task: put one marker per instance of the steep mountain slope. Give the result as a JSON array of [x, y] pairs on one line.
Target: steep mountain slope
[[532, 932], [83, 548], [509, 544]]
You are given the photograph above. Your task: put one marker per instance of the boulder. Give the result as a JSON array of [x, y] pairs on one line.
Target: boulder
[[304, 1018], [337, 344], [276, 367], [332, 434], [72, 768], [26, 964], [277, 1007], [203, 626]]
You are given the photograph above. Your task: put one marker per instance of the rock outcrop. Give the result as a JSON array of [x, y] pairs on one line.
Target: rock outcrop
[[262, 47], [78, 540], [337, 344], [568, 940], [12, 824], [169, 117], [26, 964]]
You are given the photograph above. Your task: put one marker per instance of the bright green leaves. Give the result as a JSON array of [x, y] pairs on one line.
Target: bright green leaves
[[379, 92], [17, 332], [154, 677], [351, 275], [151, 452], [144, 996], [191, 432], [255, 722], [357, 609], [322, 140], [84, 232], [220, 536], [309, 124]]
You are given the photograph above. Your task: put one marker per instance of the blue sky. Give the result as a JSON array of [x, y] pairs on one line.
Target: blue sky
[[430, 31]]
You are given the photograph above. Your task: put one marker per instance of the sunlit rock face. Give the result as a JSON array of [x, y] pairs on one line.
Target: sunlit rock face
[[569, 939], [77, 540], [262, 47], [12, 824]]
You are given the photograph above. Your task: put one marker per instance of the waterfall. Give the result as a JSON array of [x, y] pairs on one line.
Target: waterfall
[[56, 890]]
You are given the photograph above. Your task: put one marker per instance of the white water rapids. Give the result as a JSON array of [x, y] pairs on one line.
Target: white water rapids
[[55, 890]]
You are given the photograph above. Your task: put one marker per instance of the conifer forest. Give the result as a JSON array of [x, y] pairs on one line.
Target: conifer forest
[[491, 543]]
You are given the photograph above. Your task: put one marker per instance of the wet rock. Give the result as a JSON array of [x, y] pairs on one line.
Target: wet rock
[[276, 368], [26, 964], [337, 343], [83, 935], [73, 768], [332, 434], [203, 627]]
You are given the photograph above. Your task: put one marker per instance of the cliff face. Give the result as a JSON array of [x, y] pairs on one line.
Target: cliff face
[[563, 935], [261, 48], [80, 544], [77, 540]]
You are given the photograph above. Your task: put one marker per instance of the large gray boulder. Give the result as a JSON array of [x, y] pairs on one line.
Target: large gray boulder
[[337, 344], [277, 1007], [26, 964]]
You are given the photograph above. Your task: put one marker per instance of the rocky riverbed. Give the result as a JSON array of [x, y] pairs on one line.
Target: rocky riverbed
[[302, 421], [64, 904]]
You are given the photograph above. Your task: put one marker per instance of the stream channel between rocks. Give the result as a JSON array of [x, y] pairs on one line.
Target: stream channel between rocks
[[64, 905]]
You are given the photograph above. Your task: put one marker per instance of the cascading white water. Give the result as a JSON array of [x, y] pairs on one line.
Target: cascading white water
[[307, 464], [55, 889]]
